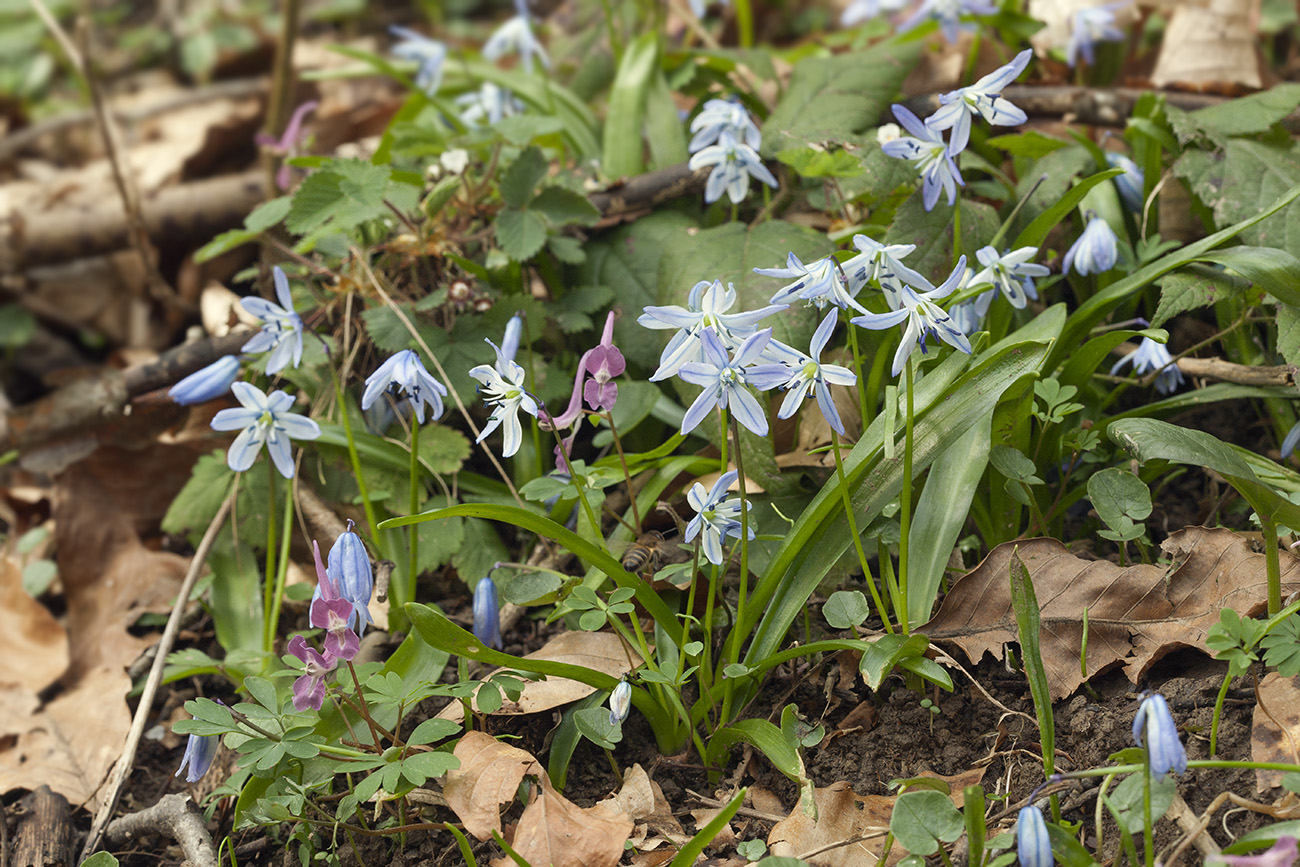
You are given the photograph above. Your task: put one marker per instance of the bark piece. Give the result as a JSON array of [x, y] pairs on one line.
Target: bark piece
[[44, 834]]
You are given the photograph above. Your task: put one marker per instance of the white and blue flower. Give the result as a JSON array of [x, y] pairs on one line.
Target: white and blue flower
[[1130, 184], [1090, 26], [724, 378], [516, 35], [801, 373], [281, 332], [734, 162], [984, 98], [487, 613], [1155, 730], [428, 54], [1096, 251], [263, 420], [876, 261], [208, 383], [948, 13], [720, 116], [502, 387], [864, 10], [1033, 846], [1011, 272], [706, 307], [927, 149], [817, 283], [1151, 356], [404, 376], [716, 516], [922, 317]]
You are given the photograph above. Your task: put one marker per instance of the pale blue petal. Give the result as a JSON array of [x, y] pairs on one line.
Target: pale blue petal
[[243, 451], [827, 405], [281, 455], [707, 400], [746, 409], [298, 427], [235, 418]]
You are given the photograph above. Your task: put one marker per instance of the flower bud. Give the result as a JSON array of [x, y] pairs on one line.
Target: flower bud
[[199, 752], [207, 384], [1164, 750], [349, 567], [510, 342], [487, 623], [1033, 846], [620, 702]]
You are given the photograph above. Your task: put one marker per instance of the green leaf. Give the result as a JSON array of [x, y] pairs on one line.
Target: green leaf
[[1247, 115], [1127, 798], [443, 448], [522, 129], [921, 820], [1028, 620], [1288, 333], [427, 766], [433, 730], [346, 194], [481, 550], [198, 502], [1195, 287], [1036, 231], [1243, 181], [888, 651], [563, 207], [838, 98], [261, 218], [1118, 495], [522, 177], [520, 233], [689, 853], [1031, 144], [627, 99], [846, 609], [1275, 271], [821, 162], [1012, 463], [932, 233], [664, 131], [594, 724], [263, 691]]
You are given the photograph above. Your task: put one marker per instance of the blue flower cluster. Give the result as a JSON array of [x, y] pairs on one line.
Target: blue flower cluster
[[726, 138]]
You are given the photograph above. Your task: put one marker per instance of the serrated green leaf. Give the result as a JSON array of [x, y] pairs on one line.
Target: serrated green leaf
[[838, 98], [522, 129], [523, 176], [569, 251], [1243, 181], [1193, 288], [820, 162], [1288, 333], [1031, 144], [443, 448], [1247, 115], [563, 207], [520, 233], [199, 500]]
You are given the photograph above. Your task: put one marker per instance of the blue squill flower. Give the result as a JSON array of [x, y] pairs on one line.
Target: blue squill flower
[[1090, 26], [281, 332], [734, 162], [1151, 356], [403, 375], [620, 702], [1096, 251], [927, 149], [1130, 184], [208, 383], [817, 283], [309, 688], [348, 567], [1033, 846], [487, 105], [984, 98], [864, 10], [948, 13], [875, 260], [724, 378], [331, 612], [706, 307], [716, 516], [516, 35], [487, 615], [502, 387], [1154, 729], [263, 420], [720, 116], [429, 54], [1012, 273], [199, 752], [922, 317], [801, 373], [510, 340], [1291, 440], [698, 6]]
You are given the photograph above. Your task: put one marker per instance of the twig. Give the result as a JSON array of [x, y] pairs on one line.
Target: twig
[[743, 811], [178, 818], [277, 109], [1282, 375], [123, 766]]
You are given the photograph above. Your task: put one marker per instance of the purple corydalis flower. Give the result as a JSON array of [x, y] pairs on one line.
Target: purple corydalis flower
[[602, 362], [801, 373], [1033, 846], [309, 688], [404, 374], [706, 307], [487, 613], [1151, 356], [263, 419], [429, 55], [1095, 252], [207, 383], [331, 612], [281, 327], [1154, 729], [927, 149], [288, 142], [1090, 26], [724, 379], [716, 516], [734, 162], [1282, 853], [199, 752], [984, 98]]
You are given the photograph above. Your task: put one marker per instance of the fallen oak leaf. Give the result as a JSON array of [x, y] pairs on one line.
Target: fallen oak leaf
[[1136, 614], [555, 831], [489, 775]]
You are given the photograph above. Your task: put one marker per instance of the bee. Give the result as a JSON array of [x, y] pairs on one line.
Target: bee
[[645, 554]]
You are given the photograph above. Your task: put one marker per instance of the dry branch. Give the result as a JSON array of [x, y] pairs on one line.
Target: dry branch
[[174, 816]]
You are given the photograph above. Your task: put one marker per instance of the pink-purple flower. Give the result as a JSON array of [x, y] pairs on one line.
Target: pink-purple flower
[[309, 689]]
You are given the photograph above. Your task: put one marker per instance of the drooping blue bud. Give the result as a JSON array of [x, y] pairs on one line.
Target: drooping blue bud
[[487, 617], [199, 752], [349, 566], [1033, 846], [510, 342], [1164, 750], [208, 383], [620, 702]]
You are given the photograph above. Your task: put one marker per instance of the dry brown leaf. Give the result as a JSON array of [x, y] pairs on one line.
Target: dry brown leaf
[[71, 743], [32, 643], [841, 815], [1211, 45], [1136, 615], [555, 831], [598, 651], [488, 776], [1275, 727]]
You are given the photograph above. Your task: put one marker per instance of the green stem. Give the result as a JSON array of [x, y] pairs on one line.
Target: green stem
[[1218, 712], [905, 515], [1272, 565], [857, 537], [745, 23], [282, 571], [355, 459], [408, 587], [857, 367], [722, 429], [268, 582], [738, 631], [627, 476], [1148, 843]]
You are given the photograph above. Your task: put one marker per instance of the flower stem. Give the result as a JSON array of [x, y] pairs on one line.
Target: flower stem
[[282, 571], [268, 581], [407, 587], [738, 630], [857, 368], [622, 459], [857, 537], [355, 460], [1272, 565], [905, 515]]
